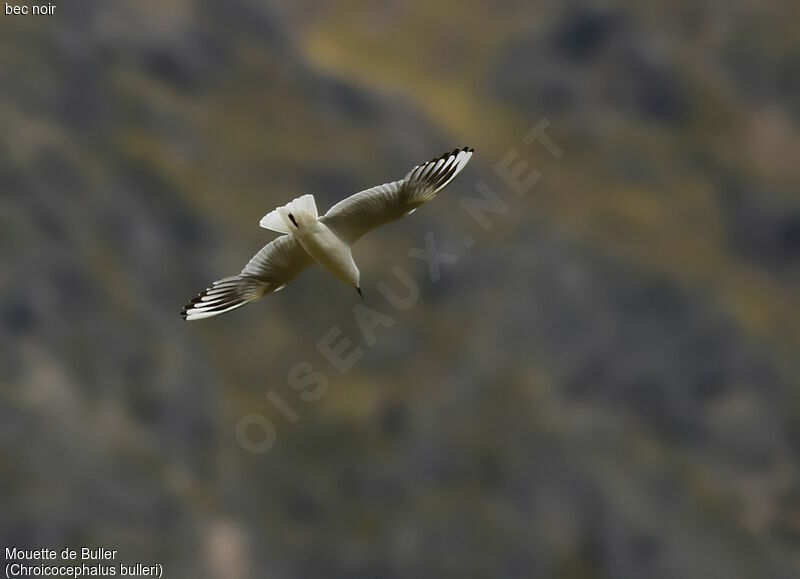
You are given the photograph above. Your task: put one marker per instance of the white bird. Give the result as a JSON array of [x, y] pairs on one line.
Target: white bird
[[326, 240]]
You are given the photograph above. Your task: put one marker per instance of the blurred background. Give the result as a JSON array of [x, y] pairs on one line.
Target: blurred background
[[604, 386]]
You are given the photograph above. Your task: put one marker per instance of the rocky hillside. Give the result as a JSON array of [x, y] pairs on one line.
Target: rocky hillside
[[603, 384]]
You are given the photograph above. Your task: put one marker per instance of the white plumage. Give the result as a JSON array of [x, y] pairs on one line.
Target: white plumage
[[307, 238]]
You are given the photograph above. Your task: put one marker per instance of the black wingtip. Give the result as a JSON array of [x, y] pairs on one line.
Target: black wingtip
[[192, 302], [452, 153]]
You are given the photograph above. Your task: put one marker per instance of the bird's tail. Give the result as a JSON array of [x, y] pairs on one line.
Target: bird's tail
[[293, 214], [223, 296]]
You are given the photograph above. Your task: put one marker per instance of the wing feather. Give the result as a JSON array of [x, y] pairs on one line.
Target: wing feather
[[355, 216], [275, 265]]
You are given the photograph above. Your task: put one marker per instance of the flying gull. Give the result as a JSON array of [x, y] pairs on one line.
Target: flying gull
[[327, 240]]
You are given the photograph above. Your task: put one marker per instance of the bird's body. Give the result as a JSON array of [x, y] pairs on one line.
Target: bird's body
[[327, 250], [307, 238]]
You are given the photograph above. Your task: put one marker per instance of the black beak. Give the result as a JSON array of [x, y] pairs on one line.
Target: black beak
[[358, 289]]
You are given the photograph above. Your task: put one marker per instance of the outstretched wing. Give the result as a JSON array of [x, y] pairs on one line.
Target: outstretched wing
[[351, 218], [273, 267]]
